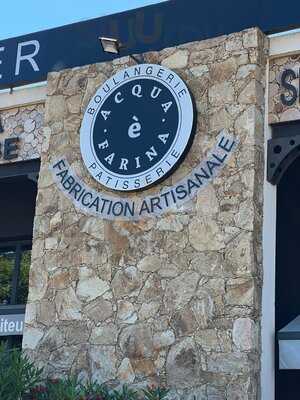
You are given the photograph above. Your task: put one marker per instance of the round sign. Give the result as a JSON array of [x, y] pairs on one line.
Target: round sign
[[136, 127]]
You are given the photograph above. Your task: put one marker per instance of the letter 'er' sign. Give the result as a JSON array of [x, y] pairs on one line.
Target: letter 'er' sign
[[25, 54]]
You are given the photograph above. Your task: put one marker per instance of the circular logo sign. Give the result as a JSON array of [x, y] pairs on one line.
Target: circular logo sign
[[137, 127]]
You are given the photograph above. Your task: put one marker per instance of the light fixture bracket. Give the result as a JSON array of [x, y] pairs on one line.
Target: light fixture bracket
[[114, 46]]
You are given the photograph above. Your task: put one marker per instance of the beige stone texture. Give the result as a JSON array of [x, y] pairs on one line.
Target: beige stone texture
[[25, 123], [175, 299]]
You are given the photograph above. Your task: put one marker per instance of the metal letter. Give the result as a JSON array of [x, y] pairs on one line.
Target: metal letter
[[286, 78], [27, 57]]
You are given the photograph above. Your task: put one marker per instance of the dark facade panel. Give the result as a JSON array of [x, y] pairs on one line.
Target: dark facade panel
[[29, 58], [18, 190]]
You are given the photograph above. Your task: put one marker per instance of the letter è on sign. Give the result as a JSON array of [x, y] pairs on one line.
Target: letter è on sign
[[134, 129]]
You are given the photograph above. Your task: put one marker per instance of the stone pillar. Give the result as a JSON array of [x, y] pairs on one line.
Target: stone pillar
[[172, 300]]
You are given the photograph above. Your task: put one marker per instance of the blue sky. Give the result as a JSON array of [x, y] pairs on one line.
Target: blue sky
[[26, 16]]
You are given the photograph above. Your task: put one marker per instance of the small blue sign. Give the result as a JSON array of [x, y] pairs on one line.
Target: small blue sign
[[12, 324]]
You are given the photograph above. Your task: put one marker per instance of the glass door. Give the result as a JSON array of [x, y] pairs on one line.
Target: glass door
[[14, 275]]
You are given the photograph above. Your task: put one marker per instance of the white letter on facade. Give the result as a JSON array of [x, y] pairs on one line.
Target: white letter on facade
[[103, 145], [117, 98], [151, 153], [155, 92], [27, 57], [123, 164], [137, 91]]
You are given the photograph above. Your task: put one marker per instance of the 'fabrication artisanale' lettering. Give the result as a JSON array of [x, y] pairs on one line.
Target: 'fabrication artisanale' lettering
[[110, 207]]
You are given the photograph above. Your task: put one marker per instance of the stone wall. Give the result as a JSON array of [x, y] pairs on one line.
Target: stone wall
[[25, 123], [174, 300]]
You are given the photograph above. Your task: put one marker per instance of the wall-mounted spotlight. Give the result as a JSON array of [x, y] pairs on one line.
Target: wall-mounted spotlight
[[111, 45]]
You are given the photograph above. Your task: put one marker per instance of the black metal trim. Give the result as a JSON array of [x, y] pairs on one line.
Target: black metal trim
[[19, 168], [16, 274], [282, 152], [288, 335], [284, 129], [12, 309], [14, 243]]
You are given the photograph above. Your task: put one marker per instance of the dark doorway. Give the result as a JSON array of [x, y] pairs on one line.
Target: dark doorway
[[287, 305], [18, 190]]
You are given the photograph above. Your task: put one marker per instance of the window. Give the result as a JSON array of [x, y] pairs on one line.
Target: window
[[18, 188], [14, 272]]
